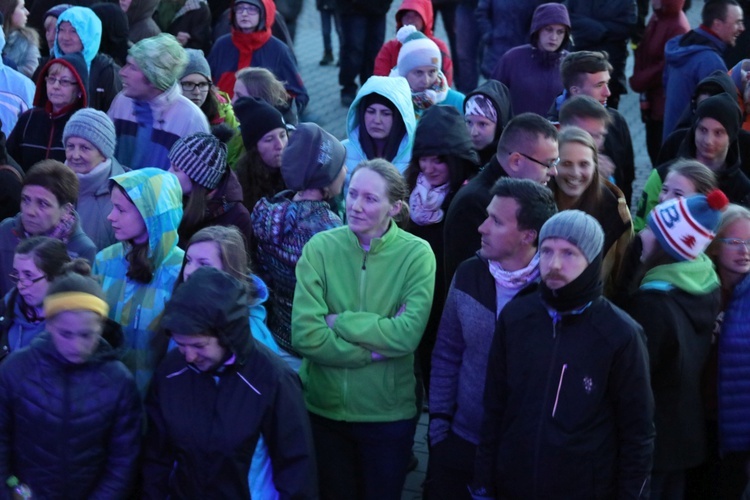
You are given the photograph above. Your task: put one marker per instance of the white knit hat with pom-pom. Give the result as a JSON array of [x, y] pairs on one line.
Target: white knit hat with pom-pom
[[416, 50]]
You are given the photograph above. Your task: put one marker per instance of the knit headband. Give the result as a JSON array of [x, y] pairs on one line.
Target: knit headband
[[480, 105], [74, 301]]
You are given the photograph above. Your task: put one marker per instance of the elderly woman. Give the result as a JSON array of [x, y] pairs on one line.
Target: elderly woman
[[362, 301]]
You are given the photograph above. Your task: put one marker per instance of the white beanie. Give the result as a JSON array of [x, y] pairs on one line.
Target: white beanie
[[416, 50]]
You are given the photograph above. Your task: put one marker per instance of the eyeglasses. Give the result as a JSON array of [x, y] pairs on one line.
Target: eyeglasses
[[16, 279], [246, 9], [191, 86], [552, 164], [51, 80], [736, 243]]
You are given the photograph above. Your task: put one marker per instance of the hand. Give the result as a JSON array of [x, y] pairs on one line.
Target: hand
[[183, 37], [331, 319], [606, 166]]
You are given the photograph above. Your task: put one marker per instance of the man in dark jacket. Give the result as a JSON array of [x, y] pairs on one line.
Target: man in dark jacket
[[696, 54], [568, 408], [506, 266], [214, 396], [527, 150], [588, 73]]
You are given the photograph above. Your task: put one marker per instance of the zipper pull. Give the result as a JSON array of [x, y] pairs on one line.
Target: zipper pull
[[559, 387]]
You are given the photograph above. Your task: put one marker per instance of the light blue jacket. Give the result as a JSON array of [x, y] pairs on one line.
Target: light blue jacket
[[16, 93]]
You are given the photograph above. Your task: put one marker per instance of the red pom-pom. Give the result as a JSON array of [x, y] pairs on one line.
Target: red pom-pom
[[717, 199]]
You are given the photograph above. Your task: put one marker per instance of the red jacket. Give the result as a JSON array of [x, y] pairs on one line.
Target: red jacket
[[388, 56], [667, 22]]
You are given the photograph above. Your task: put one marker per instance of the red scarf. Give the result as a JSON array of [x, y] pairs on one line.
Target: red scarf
[[246, 43]]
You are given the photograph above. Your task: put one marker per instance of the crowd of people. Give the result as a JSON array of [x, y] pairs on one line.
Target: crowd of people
[[206, 295]]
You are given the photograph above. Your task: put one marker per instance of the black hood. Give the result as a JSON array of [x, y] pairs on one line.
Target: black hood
[[115, 30], [499, 95], [442, 131], [211, 302]]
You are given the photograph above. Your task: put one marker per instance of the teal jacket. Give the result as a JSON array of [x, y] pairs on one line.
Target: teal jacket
[[367, 290], [137, 306], [396, 90]]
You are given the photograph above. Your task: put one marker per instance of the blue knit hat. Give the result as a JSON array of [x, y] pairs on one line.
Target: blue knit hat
[[685, 226]]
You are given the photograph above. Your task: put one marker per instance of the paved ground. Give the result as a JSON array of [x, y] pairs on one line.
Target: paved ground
[[326, 110]]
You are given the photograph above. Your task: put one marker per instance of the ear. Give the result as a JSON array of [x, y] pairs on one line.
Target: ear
[[513, 164], [574, 90], [529, 237], [396, 208]]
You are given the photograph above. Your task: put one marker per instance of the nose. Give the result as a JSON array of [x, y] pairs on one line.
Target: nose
[[552, 171], [111, 215], [483, 226], [606, 92], [189, 355]]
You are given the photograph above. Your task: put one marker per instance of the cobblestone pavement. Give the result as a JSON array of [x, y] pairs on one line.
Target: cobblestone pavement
[[325, 110]]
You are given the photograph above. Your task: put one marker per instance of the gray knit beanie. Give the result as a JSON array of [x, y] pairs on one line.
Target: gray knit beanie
[[197, 63], [312, 159], [577, 228], [94, 126], [202, 157]]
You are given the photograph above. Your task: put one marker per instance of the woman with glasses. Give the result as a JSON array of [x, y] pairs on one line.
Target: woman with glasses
[[578, 185], [730, 251], [60, 92], [215, 104], [251, 43], [37, 261]]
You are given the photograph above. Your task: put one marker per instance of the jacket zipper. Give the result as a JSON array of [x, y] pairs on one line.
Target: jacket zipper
[[559, 386]]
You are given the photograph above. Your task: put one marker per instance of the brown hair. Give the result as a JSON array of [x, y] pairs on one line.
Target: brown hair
[[702, 177], [576, 64], [264, 85], [140, 267], [55, 177]]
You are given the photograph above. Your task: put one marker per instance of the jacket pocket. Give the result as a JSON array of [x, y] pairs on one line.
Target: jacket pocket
[[578, 397]]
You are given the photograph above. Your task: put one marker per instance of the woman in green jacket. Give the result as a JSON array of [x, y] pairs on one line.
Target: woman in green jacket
[[362, 300]]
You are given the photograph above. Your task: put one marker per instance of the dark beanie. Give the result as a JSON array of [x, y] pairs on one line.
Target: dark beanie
[[375, 98], [722, 108], [312, 159], [257, 118]]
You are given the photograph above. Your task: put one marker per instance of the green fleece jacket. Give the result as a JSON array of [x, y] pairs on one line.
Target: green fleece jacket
[[366, 289]]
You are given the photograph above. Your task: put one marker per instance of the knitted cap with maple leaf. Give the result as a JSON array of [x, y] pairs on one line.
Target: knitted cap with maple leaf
[[685, 226]]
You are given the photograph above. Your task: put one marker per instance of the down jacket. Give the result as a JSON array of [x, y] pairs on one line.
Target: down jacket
[[71, 429]]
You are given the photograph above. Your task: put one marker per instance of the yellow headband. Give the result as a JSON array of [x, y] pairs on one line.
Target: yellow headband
[[74, 301]]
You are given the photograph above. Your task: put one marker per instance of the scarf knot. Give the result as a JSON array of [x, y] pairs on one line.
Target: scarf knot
[[425, 201]]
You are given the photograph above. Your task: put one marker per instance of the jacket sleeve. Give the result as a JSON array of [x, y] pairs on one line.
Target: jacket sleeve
[[483, 15], [462, 240], [630, 387], [446, 363], [615, 23], [158, 454], [387, 58], [400, 335], [495, 402], [124, 445], [13, 144], [648, 200], [311, 336], [289, 74], [6, 429], [110, 83], [286, 431]]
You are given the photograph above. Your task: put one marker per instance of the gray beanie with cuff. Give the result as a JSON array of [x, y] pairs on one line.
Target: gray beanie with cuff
[[312, 159], [577, 228], [94, 126]]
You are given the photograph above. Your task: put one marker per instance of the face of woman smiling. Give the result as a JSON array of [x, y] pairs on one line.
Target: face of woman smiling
[[576, 170]]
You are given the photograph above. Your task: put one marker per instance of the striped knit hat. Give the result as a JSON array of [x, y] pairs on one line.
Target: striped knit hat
[[202, 157]]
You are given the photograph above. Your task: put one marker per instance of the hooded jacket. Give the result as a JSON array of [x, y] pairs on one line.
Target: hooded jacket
[[689, 58], [498, 94], [666, 23], [281, 228], [115, 28], [239, 50], [194, 18], [387, 58], [531, 74], [687, 297], [141, 20], [138, 306], [104, 78], [38, 134], [12, 232], [252, 393], [81, 427], [16, 93], [395, 90], [23, 49], [366, 289], [568, 409], [16, 331]]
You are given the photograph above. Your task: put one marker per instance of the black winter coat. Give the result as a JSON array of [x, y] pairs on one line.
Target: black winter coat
[[568, 405], [68, 430]]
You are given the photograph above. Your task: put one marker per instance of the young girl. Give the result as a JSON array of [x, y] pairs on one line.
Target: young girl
[[264, 135], [532, 71], [224, 248], [360, 307], [419, 62], [211, 193], [139, 272], [36, 263], [578, 185], [443, 158], [22, 43]]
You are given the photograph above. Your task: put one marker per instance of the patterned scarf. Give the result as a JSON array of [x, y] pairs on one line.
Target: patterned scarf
[[433, 95], [515, 280], [425, 201]]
